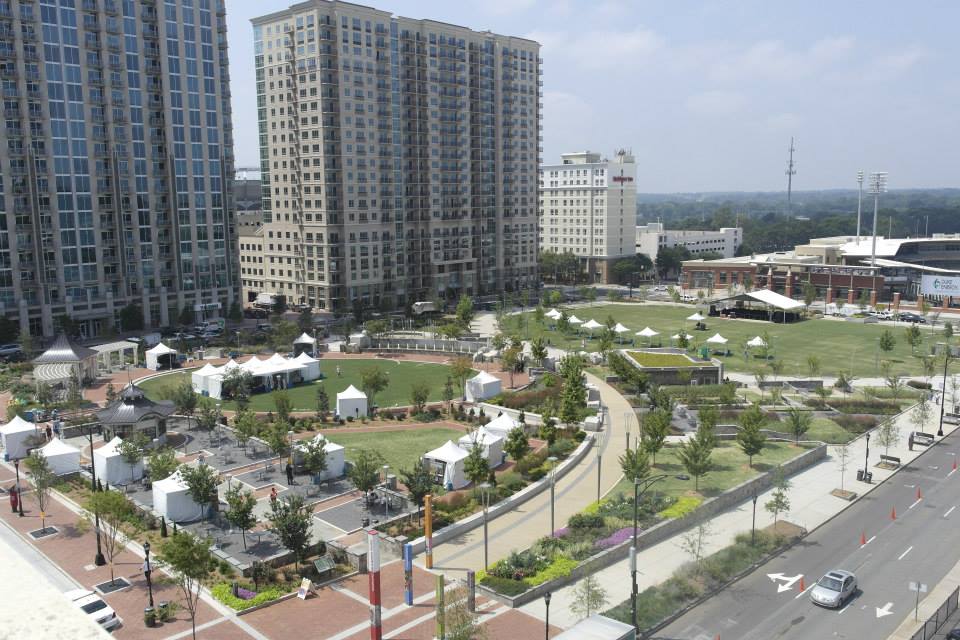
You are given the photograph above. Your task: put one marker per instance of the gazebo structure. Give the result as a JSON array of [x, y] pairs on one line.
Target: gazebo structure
[[305, 344], [64, 361], [114, 355], [132, 412]]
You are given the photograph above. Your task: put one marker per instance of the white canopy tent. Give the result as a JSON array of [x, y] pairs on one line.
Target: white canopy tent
[[172, 500], [492, 444], [111, 468], [199, 379], [305, 343], [351, 402], [756, 342], [61, 457], [592, 325], [574, 320], [619, 329], [15, 435], [716, 339], [675, 337], [481, 386], [161, 356], [446, 462], [696, 317], [312, 366], [501, 425], [553, 314], [335, 456]]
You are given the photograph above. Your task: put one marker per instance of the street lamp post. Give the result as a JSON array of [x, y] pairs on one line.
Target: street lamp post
[[637, 492], [753, 522], [16, 466], [943, 394], [98, 560], [546, 601], [146, 573], [599, 466], [553, 486], [866, 459], [484, 488]]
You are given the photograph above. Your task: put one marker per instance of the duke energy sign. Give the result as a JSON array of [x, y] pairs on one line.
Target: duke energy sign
[[940, 286]]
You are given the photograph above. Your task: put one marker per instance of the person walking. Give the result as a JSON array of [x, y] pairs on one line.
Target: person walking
[[338, 371], [273, 495], [289, 473]]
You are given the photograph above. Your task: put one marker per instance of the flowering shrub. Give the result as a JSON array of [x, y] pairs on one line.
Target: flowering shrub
[[615, 538], [224, 593], [562, 532]]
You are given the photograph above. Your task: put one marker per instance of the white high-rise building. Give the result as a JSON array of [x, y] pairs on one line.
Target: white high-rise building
[[398, 157], [588, 207], [653, 236]]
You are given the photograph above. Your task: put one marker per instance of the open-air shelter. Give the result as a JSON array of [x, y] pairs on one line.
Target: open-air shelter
[[161, 357], [489, 441], [502, 425], [592, 325], [762, 304], [64, 361], [113, 355]]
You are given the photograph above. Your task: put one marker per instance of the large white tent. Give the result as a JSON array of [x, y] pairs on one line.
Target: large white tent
[[492, 444], [501, 425], [305, 344], [15, 435], [172, 500], [446, 462], [716, 339], [272, 373], [553, 314], [312, 370], [61, 457], [696, 317], [335, 456], [481, 386], [756, 342], [574, 320], [161, 356], [351, 402], [111, 468], [592, 325], [200, 379]]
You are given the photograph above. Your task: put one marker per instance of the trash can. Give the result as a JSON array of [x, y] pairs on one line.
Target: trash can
[[860, 475], [149, 617], [868, 477]]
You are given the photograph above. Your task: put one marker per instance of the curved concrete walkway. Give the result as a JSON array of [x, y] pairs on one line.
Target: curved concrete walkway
[[519, 528]]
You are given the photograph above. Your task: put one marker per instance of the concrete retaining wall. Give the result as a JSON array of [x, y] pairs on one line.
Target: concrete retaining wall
[[664, 530]]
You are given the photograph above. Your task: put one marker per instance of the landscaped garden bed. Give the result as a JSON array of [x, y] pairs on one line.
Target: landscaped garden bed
[[666, 360]]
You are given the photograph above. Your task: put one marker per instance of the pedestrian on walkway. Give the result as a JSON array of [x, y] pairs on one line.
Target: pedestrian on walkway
[[49, 433], [338, 371], [273, 495], [289, 473]]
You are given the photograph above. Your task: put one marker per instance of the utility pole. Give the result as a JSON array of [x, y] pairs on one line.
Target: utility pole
[[878, 185], [859, 200], [791, 171]]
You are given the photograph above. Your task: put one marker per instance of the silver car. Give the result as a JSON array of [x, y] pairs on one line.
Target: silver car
[[834, 588]]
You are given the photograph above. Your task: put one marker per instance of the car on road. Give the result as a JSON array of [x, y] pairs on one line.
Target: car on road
[[954, 634], [912, 317], [10, 350], [834, 588], [95, 608]]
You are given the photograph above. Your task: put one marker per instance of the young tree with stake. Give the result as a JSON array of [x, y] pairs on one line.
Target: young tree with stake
[[240, 504], [192, 564]]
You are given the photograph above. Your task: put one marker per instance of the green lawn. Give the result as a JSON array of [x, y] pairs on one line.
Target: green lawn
[[826, 430], [839, 345], [400, 449], [402, 377], [730, 469]]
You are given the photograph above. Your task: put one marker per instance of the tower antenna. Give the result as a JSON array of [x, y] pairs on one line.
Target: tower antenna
[[791, 171]]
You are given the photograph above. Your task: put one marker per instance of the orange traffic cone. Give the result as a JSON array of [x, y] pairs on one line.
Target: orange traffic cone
[[919, 495], [802, 588], [863, 539], [954, 463], [893, 513]]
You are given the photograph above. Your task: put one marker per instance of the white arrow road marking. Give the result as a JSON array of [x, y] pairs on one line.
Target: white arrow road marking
[[787, 582], [949, 511], [916, 502], [910, 486], [902, 555], [885, 611]]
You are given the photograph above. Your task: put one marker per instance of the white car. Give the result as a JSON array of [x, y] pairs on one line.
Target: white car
[[94, 606]]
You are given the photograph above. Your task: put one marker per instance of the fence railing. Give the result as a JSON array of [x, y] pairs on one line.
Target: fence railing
[[937, 620]]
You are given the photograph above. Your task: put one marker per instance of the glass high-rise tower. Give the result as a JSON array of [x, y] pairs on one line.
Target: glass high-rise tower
[[116, 160]]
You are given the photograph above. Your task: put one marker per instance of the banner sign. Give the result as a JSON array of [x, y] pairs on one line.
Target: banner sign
[[940, 285]]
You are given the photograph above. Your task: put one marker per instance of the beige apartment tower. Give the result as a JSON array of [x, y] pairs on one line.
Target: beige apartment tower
[[398, 157]]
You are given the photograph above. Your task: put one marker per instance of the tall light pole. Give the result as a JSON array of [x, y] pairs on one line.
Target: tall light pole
[[146, 573], [637, 492], [878, 185], [553, 487], [546, 601], [859, 200], [753, 522], [484, 488], [943, 394], [98, 560], [16, 466]]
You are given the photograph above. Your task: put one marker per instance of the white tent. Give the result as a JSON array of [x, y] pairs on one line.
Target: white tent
[[574, 320], [305, 344], [492, 444], [312, 371], [592, 325], [620, 328], [553, 314], [305, 338], [446, 463], [61, 457], [230, 365], [676, 336], [14, 435], [160, 355], [716, 339], [501, 425], [111, 468], [199, 379], [756, 342], [277, 360], [335, 456], [351, 402], [647, 332], [172, 501], [481, 386], [252, 364], [695, 317]]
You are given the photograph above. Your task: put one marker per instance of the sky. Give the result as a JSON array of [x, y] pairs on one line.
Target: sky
[[707, 94]]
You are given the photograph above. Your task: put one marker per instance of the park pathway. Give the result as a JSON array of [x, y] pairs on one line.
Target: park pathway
[[519, 528]]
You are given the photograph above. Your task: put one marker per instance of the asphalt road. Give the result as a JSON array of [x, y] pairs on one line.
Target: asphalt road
[[921, 545]]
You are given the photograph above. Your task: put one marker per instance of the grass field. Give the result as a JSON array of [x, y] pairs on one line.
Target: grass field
[[400, 449], [730, 469], [402, 377], [839, 345]]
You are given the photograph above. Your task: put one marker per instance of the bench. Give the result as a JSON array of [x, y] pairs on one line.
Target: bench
[[951, 418], [894, 460], [324, 566], [921, 438]]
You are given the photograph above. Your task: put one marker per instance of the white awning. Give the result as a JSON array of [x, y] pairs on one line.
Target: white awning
[[620, 328], [592, 324], [351, 392], [574, 320], [305, 338], [677, 336], [161, 350], [695, 317], [647, 332], [765, 296], [553, 314], [716, 339]]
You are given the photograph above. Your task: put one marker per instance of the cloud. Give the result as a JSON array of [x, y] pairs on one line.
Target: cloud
[[505, 7], [596, 50], [772, 60], [715, 103], [900, 61], [782, 121]]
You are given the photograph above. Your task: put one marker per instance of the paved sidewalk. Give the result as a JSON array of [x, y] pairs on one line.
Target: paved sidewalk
[[928, 607], [811, 506], [519, 528]]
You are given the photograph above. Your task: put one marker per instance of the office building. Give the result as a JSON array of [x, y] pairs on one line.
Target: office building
[[398, 157], [588, 208], [116, 161], [250, 234], [653, 236]]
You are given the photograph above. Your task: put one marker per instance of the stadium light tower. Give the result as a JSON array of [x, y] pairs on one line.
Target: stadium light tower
[[878, 185], [859, 200]]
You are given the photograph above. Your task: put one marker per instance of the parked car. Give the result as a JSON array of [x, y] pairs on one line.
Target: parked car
[[92, 605], [834, 588], [912, 317], [266, 327], [12, 349], [254, 312]]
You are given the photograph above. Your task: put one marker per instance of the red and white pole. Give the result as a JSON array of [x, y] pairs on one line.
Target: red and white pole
[[373, 568]]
